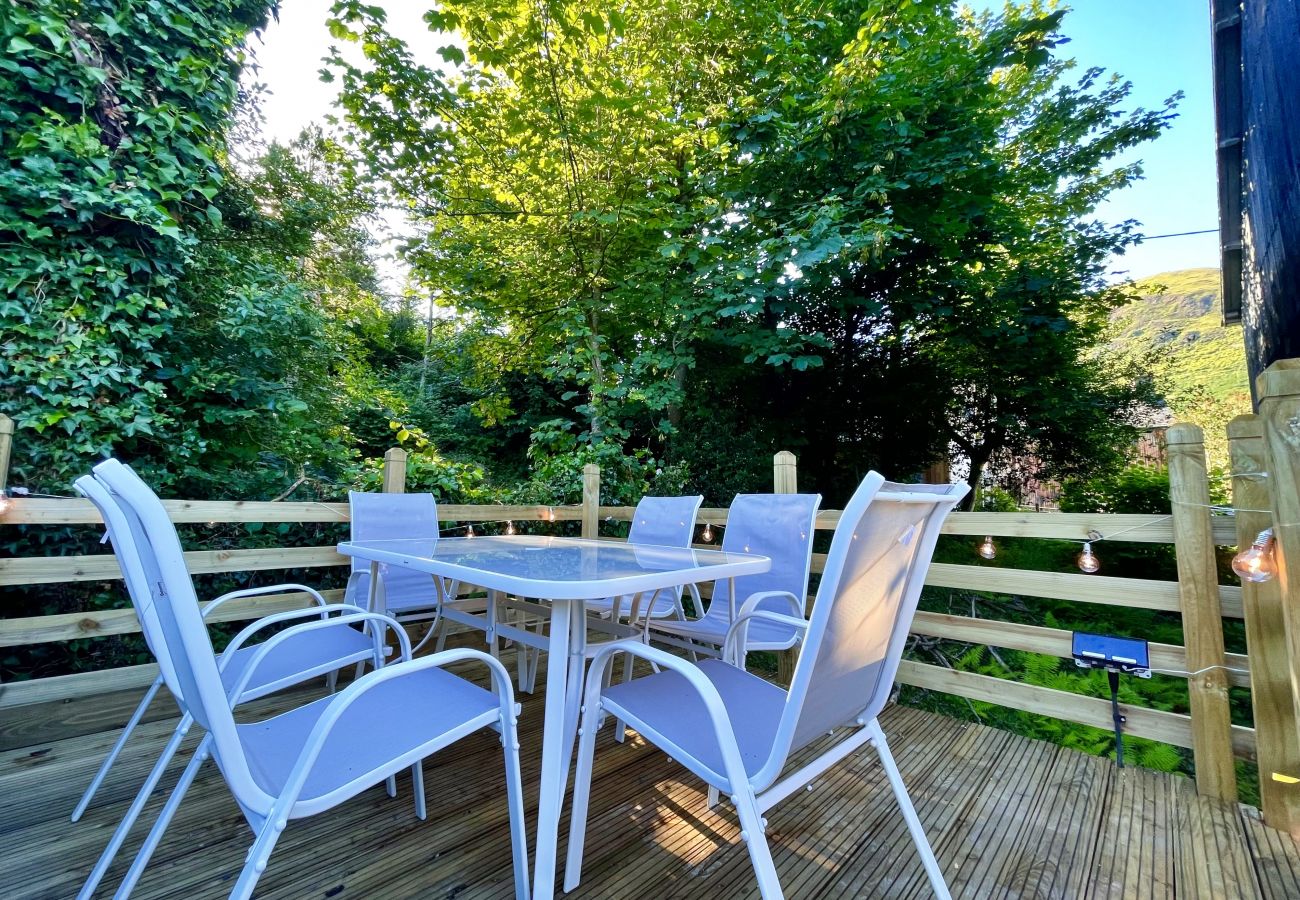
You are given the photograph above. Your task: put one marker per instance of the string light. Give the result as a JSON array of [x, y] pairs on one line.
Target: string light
[[5, 502], [510, 527], [469, 531], [987, 549], [1088, 561], [550, 513], [707, 534], [1256, 563]]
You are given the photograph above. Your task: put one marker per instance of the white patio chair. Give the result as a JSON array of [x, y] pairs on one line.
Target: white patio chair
[[737, 731], [658, 521], [406, 595], [778, 526], [314, 757], [296, 659], [663, 522]]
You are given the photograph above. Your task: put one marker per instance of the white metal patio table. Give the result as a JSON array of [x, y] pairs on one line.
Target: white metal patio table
[[567, 572]]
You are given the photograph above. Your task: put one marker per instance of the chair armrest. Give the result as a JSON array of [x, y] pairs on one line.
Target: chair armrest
[[321, 612], [752, 601], [258, 591], [352, 617], [501, 686], [717, 710], [734, 645]]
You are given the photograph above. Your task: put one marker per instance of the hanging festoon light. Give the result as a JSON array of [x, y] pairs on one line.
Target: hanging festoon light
[[987, 549], [5, 502], [707, 534], [469, 531], [1255, 563], [1088, 561], [510, 527]]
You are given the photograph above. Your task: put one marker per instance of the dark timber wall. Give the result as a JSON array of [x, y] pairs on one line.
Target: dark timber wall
[[1270, 95]]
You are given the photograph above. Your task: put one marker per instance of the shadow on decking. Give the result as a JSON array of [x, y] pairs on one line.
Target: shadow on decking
[[1008, 817]]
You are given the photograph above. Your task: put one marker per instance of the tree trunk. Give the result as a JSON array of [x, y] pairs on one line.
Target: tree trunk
[[675, 407], [428, 342], [597, 387], [979, 458]]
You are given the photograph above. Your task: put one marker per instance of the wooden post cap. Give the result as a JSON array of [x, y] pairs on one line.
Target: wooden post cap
[[1184, 433]]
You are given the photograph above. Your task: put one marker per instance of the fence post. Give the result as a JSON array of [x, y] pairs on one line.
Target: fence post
[[394, 471], [1198, 594], [1278, 389], [591, 501], [785, 480], [1276, 735], [6, 446], [785, 474]]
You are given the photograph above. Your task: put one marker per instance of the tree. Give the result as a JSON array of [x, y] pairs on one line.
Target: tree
[[927, 218], [555, 166]]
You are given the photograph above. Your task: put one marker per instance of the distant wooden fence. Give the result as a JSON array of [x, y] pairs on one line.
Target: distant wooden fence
[[39, 710]]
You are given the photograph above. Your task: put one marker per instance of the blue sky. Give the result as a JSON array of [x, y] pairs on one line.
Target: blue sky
[[1162, 46]]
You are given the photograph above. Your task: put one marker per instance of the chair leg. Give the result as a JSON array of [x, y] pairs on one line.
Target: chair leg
[[117, 749], [923, 849], [751, 831], [417, 782], [164, 819], [258, 855], [332, 681], [581, 794], [712, 802], [133, 813], [515, 804], [391, 784]]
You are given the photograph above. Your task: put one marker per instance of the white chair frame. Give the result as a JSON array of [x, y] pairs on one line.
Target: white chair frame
[[754, 793]]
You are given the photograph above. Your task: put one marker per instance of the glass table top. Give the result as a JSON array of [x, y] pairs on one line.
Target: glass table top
[[557, 567]]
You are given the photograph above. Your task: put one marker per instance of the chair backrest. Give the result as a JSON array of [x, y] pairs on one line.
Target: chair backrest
[[383, 517], [860, 621], [780, 527], [183, 629], [126, 538], [666, 521]]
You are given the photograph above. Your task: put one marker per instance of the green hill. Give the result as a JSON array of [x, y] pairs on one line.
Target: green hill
[[1199, 364]]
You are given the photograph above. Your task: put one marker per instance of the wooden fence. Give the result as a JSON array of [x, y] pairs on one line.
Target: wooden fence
[[46, 708]]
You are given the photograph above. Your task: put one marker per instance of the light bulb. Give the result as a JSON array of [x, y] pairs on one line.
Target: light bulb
[[987, 549], [469, 532], [510, 527], [1088, 561], [1256, 562], [707, 534], [5, 502], [550, 513]]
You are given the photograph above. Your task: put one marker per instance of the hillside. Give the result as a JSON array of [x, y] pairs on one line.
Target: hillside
[[1200, 365]]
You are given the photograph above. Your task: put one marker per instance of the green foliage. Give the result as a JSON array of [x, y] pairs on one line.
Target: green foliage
[[1136, 488], [1198, 363], [110, 124]]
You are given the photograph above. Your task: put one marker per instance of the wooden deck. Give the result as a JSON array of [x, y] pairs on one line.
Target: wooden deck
[[1008, 817]]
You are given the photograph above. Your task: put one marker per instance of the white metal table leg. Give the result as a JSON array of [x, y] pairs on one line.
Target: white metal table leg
[[555, 753]]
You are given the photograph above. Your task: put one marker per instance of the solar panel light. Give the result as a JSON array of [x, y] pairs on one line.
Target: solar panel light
[[1114, 654], [1106, 651]]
